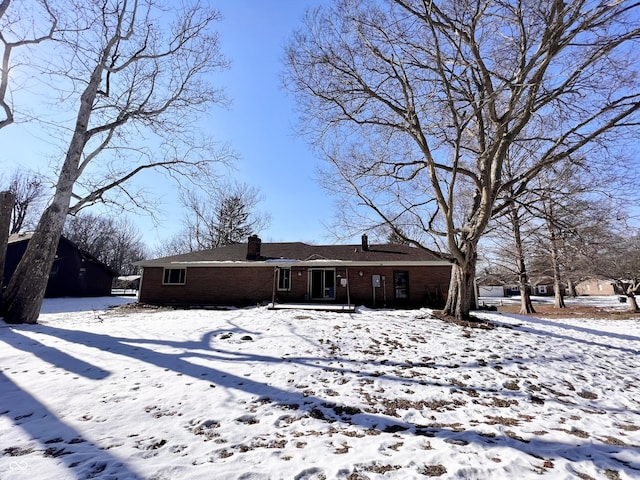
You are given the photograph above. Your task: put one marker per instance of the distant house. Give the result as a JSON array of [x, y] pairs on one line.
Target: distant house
[[598, 286], [298, 273], [490, 286], [75, 273], [543, 286], [539, 286]]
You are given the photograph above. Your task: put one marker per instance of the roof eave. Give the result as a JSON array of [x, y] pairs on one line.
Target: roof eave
[[290, 263]]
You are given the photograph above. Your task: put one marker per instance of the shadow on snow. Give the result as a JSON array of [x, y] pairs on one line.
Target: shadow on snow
[[83, 457], [322, 409]]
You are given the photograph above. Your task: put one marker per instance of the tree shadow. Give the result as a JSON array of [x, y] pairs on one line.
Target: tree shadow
[[82, 304], [83, 458], [323, 409], [52, 355], [546, 333]]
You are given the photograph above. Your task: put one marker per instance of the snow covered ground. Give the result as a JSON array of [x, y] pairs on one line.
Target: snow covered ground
[[257, 394]]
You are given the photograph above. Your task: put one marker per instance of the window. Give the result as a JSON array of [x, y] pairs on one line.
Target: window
[[284, 279], [174, 276], [542, 289]]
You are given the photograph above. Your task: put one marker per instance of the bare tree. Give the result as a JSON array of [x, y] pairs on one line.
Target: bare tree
[[30, 195], [178, 244], [224, 216], [514, 224], [575, 202], [617, 258], [17, 30], [6, 203], [136, 73], [115, 241], [414, 104]]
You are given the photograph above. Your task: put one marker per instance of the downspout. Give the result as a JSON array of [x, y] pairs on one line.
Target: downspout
[[273, 291], [140, 284], [384, 290], [346, 274]]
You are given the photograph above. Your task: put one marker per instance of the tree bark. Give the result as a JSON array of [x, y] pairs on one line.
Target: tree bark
[[633, 303], [24, 295], [555, 262], [526, 306], [631, 288], [461, 296], [6, 206]]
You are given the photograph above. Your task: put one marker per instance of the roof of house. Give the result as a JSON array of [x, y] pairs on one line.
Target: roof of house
[[25, 237], [19, 237], [490, 280], [296, 252]]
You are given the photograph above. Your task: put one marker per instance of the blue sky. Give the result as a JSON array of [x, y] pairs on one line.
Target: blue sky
[[259, 126], [260, 123]]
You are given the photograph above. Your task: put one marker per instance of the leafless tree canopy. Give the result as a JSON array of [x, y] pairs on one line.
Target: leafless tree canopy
[[19, 30], [116, 242], [416, 104], [221, 216], [30, 194], [137, 76]]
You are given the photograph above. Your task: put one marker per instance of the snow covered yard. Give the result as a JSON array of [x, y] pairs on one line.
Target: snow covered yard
[[260, 394]]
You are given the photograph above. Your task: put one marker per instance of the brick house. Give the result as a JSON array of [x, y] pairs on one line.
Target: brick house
[[600, 286], [297, 273], [75, 273]]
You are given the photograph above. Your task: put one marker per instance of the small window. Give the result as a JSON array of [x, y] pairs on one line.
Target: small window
[[174, 276], [284, 279], [542, 289]]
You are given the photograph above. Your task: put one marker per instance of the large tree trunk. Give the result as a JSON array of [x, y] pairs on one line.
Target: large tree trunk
[[7, 200], [461, 297], [631, 288], [24, 295], [633, 303], [23, 298]]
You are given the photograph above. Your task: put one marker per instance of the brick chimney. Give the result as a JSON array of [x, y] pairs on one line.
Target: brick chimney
[[253, 247], [365, 243]]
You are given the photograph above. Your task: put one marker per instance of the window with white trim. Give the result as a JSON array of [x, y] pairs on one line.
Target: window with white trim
[[284, 279], [174, 276]]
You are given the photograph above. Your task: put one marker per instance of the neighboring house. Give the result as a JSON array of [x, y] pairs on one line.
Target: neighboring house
[[490, 291], [540, 287], [598, 286], [543, 287], [75, 273], [298, 273], [490, 286]]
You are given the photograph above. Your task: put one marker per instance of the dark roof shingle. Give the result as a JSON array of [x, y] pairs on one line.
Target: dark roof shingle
[[303, 252]]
